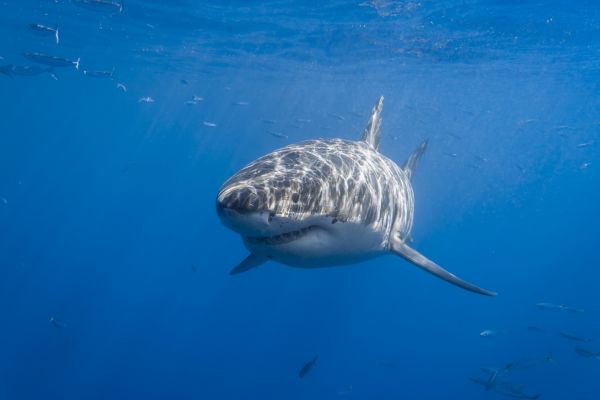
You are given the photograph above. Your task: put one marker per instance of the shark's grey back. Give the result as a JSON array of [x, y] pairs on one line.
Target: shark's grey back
[[348, 181]]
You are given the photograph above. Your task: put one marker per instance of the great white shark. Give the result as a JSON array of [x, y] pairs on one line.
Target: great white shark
[[321, 203]]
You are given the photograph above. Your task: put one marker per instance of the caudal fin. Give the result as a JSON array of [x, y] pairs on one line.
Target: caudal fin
[[400, 248]]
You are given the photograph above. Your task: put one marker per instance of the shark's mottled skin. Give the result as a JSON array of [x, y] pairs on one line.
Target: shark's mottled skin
[[329, 202]]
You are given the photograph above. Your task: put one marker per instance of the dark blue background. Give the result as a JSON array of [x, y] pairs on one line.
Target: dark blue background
[[109, 222]]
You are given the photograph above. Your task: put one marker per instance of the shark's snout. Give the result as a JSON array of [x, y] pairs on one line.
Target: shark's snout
[[243, 210]]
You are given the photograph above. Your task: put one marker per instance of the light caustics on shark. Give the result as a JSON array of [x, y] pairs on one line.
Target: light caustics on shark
[[323, 203]]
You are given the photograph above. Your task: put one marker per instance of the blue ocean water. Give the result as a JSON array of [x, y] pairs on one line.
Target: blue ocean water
[[115, 268]]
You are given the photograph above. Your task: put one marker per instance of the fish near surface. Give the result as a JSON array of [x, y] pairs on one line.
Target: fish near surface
[[321, 203], [308, 367]]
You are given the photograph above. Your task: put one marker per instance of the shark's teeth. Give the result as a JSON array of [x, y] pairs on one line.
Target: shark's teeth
[[279, 239]]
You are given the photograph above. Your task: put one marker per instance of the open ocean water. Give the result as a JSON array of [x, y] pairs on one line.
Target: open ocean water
[[114, 266]]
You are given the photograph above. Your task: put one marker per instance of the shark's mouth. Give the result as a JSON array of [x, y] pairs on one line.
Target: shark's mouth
[[280, 239]]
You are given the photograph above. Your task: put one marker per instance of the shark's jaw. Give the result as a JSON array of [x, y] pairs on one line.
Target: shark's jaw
[[314, 242]]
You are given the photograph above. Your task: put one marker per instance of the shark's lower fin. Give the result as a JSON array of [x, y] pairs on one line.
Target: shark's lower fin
[[411, 162], [400, 248], [252, 261]]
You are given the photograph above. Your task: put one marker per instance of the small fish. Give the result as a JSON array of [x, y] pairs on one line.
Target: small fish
[[127, 166], [516, 392], [44, 29], [308, 367], [493, 375], [146, 99], [183, 81], [122, 86], [53, 61], [101, 5], [522, 122], [344, 392], [195, 100], [57, 323], [277, 134], [575, 338], [587, 353], [209, 124], [503, 388], [269, 121], [24, 70], [450, 154], [585, 165], [3, 200], [565, 128], [99, 74], [492, 333], [241, 103], [586, 144], [527, 363], [560, 307]]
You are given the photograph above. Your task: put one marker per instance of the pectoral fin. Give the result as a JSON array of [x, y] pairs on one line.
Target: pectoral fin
[[401, 249], [252, 261]]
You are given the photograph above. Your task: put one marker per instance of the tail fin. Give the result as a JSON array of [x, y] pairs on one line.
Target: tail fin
[[411, 162], [77, 63], [56, 34]]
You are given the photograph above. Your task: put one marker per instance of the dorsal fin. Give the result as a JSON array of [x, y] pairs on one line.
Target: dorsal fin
[[411, 162], [371, 133]]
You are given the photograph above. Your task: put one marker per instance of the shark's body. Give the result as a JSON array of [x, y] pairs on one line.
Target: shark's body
[[323, 203]]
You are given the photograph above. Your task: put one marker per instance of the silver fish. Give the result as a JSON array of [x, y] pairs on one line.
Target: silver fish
[[575, 338], [278, 134], [527, 363], [23, 70], [57, 323], [46, 30], [99, 73], [587, 353], [559, 307], [492, 333], [53, 61]]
